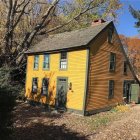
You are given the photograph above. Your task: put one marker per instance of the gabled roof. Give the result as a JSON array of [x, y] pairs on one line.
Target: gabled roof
[[67, 40]]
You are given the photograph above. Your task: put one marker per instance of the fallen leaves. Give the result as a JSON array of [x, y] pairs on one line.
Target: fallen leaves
[[31, 123]]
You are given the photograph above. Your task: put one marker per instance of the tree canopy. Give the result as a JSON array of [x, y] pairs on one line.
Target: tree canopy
[[136, 15], [25, 22]]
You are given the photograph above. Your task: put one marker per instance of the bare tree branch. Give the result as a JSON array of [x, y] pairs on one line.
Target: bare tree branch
[[6, 3], [19, 5], [74, 18], [29, 37], [28, 14], [21, 14]]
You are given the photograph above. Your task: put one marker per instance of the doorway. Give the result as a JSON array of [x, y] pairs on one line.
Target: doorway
[[61, 95], [126, 90]]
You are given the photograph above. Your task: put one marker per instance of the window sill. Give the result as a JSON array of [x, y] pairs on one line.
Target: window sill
[[110, 98], [63, 69], [112, 71], [45, 69], [35, 69]]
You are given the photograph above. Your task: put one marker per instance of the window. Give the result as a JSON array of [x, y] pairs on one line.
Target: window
[[45, 84], [125, 67], [46, 64], [112, 62], [63, 60], [110, 35], [36, 62], [125, 88], [34, 85], [111, 89]]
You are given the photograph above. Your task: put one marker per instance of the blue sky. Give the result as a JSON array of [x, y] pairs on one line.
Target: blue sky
[[126, 21]]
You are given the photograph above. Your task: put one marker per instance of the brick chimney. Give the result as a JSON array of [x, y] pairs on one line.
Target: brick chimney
[[97, 22]]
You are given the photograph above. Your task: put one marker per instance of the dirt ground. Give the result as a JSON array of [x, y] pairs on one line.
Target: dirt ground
[[30, 123], [126, 128]]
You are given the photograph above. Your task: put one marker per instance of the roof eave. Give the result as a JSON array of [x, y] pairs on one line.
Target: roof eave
[[59, 50]]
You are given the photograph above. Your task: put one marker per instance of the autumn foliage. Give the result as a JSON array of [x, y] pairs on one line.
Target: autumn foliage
[[132, 47]]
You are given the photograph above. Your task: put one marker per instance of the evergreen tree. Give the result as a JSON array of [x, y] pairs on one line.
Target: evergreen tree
[[136, 15]]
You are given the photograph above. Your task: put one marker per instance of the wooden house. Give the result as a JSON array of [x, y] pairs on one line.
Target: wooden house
[[85, 70]]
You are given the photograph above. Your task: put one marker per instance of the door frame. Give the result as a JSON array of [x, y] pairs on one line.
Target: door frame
[[130, 82], [61, 77]]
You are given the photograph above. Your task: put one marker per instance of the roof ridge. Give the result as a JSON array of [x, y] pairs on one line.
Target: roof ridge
[[81, 29]]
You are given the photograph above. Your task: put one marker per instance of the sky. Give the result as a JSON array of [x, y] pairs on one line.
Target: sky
[[126, 21]]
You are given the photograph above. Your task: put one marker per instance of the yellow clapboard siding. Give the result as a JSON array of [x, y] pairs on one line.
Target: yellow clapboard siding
[[76, 73]]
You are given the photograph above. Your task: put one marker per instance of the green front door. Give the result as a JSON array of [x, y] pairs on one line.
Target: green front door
[[135, 90], [61, 96]]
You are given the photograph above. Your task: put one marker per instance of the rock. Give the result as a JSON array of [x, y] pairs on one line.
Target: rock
[[54, 112], [35, 121]]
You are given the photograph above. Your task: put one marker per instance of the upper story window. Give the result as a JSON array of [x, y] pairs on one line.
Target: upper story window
[[46, 64], [112, 62], [125, 67], [63, 60], [111, 89], [34, 85], [110, 35], [36, 61]]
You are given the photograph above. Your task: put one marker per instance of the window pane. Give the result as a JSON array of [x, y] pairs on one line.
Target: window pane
[[63, 60], [110, 37], [64, 55], [36, 65], [34, 85], [36, 58], [46, 58], [111, 88], [45, 84], [36, 61], [112, 61], [124, 89], [125, 67], [46, 61], [63, 64], [112, 66], [110, 34], [112, 57]]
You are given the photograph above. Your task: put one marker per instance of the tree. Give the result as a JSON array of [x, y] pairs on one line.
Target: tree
[[23, 21], [131, 46], [136, 15]]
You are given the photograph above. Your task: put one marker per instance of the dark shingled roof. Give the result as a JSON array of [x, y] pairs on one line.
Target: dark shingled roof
[[68, 39]]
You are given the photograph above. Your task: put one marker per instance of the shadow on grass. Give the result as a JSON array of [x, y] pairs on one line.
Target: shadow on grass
[[40, 131], [33, 125], [28, 112]]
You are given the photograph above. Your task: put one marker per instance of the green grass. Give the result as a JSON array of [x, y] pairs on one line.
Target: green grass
[[101, 121]]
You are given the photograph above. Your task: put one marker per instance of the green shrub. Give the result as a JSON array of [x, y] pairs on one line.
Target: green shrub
[[9, 92], [7, 103]]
